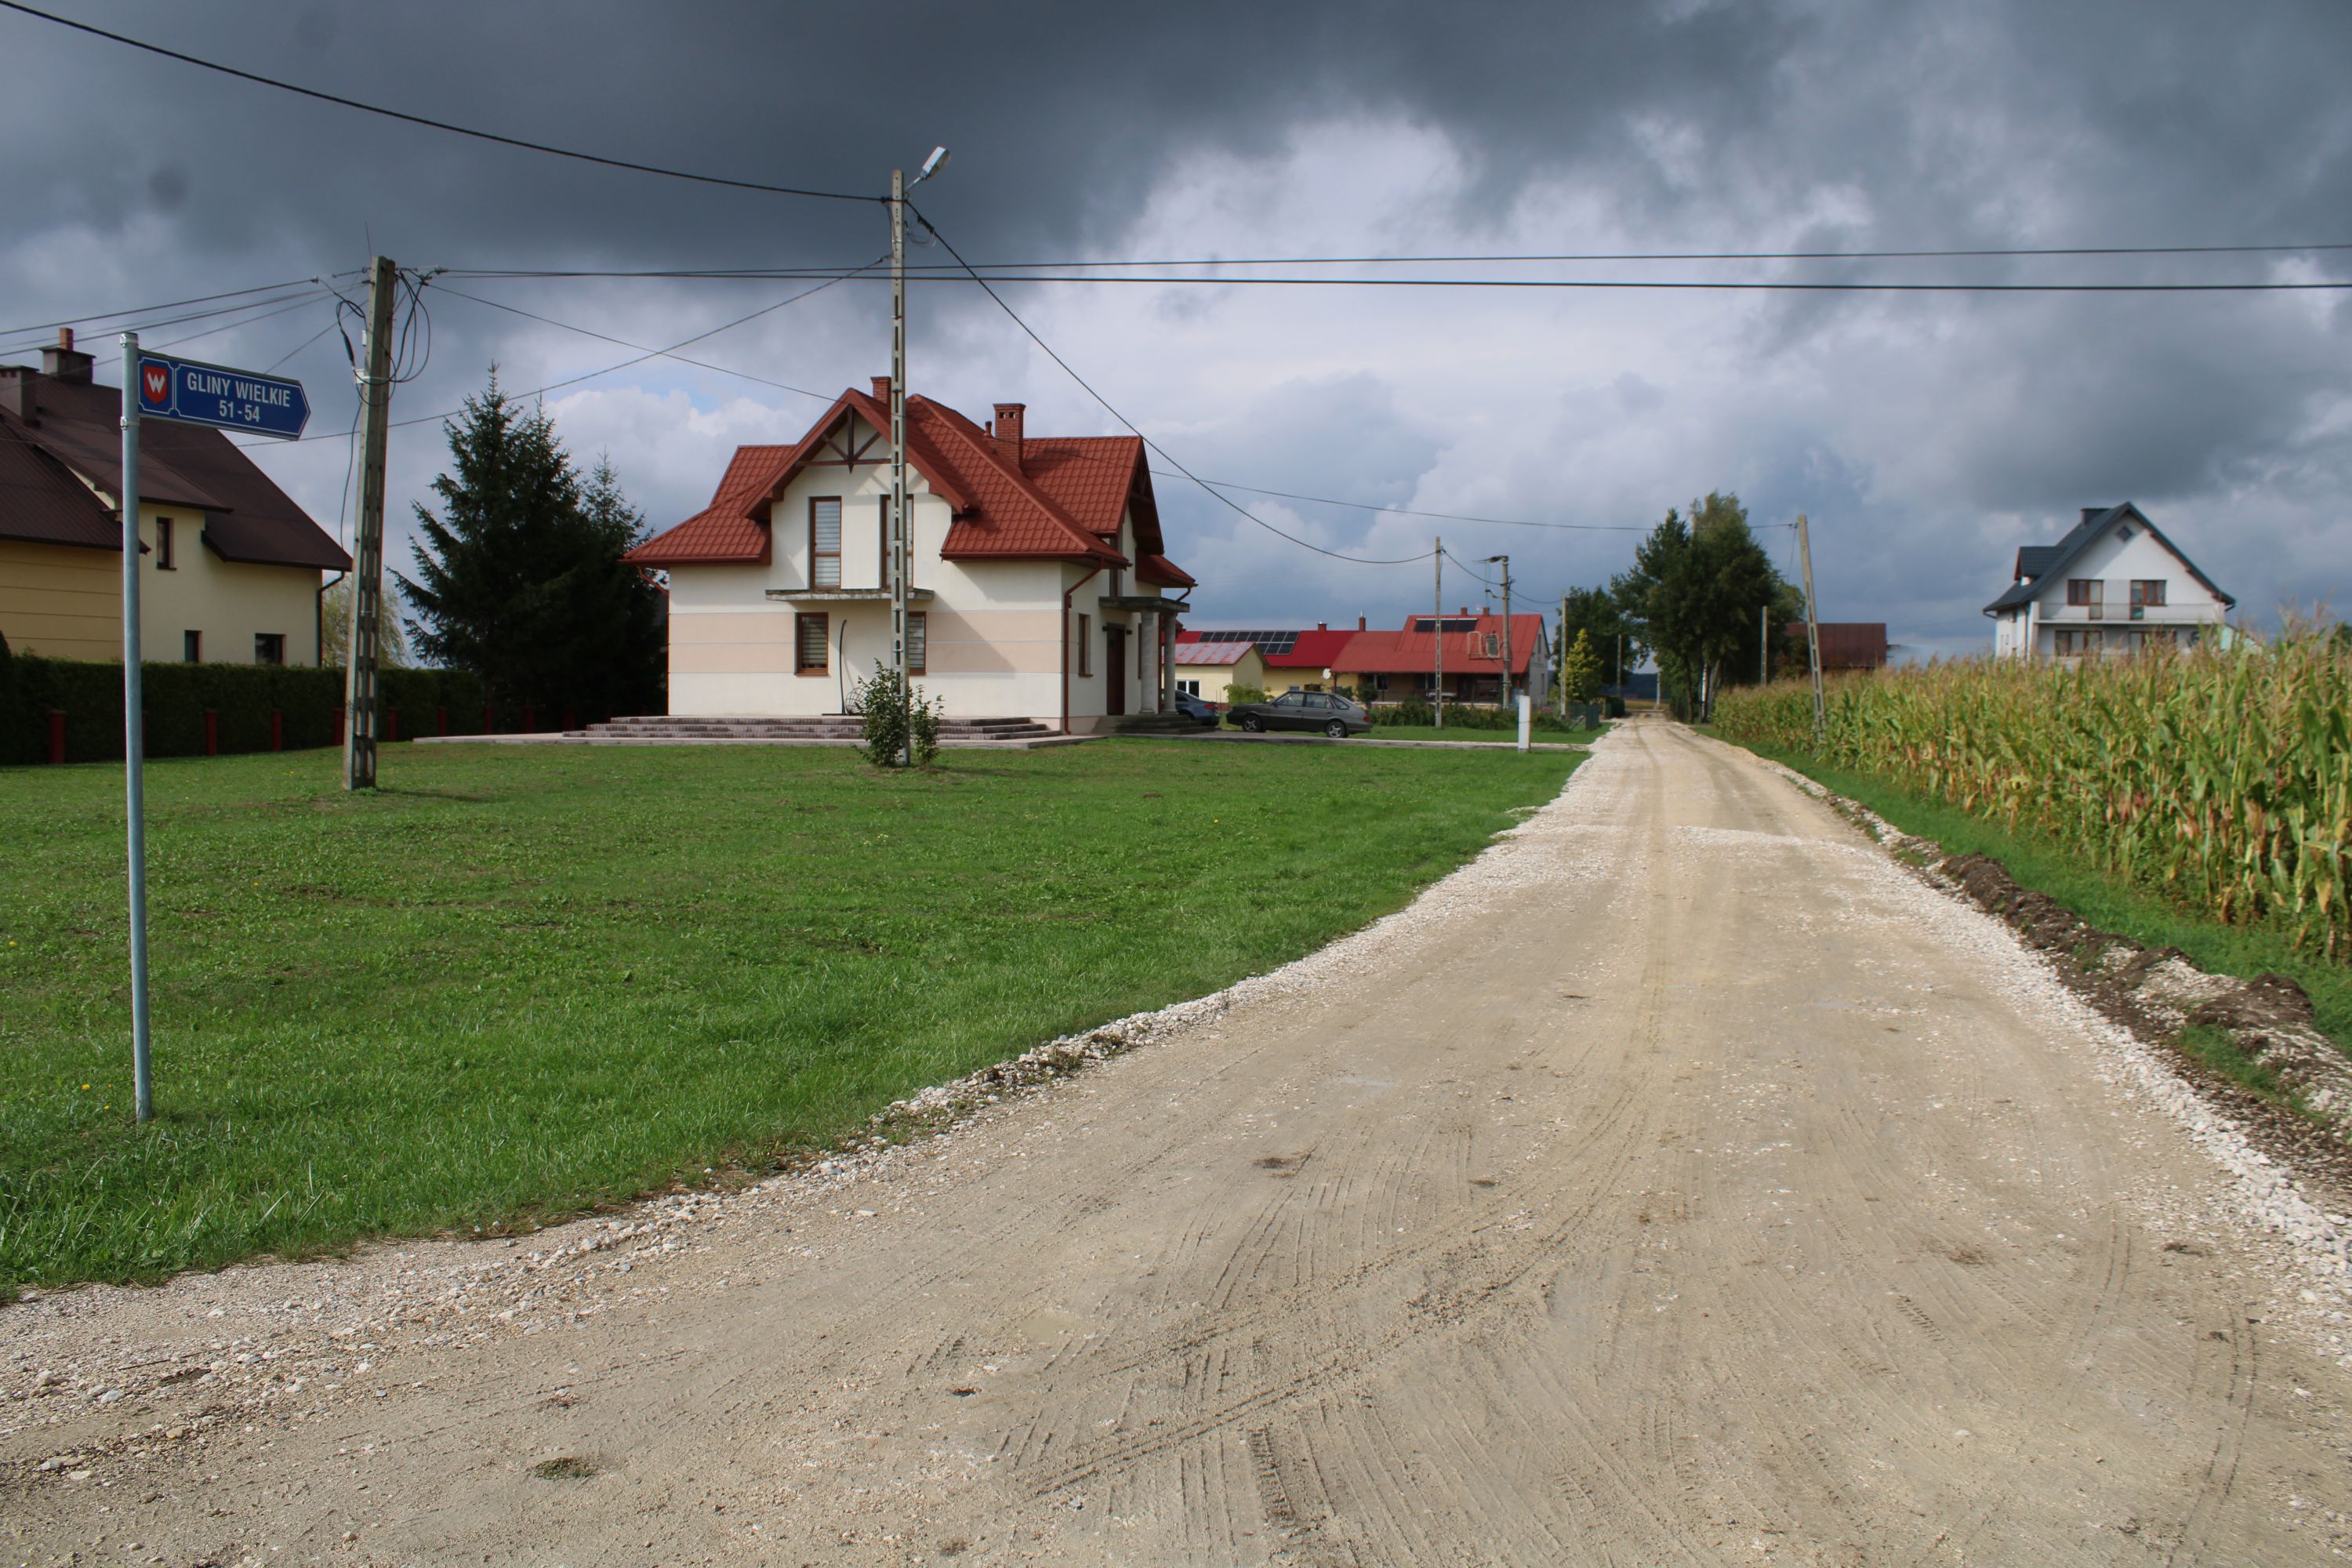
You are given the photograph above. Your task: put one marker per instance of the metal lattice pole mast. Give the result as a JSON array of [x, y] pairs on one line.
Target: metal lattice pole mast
[[134, 738], [1812, 631], [367, 547], [899, 555]]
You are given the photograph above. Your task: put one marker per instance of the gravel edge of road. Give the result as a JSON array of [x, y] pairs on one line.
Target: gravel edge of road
[[2270, 1196]]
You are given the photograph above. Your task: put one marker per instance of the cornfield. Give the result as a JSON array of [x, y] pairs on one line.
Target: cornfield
[[2223, 779]]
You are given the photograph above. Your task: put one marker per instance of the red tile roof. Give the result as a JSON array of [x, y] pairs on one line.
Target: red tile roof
[[1313, 650], [1409, 652], [1166, 573], [1063, 502], [76, 431]]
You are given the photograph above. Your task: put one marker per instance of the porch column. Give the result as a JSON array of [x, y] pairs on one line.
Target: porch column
[[1167, 662]]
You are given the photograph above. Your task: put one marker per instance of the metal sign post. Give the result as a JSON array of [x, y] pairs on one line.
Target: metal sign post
[[134, 740], [185, 392]]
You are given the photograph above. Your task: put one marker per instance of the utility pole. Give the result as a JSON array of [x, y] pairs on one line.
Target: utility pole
[[1437, 628], [134, 738], [899, 551], [367, 554], [1502, 699], [1812, 630], [1563, 656]]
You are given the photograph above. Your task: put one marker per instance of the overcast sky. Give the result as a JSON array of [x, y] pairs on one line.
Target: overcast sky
[[1925, 436]]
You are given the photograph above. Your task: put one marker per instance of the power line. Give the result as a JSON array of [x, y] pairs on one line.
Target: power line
[[165, 305], [151, 323], [431, 123], [1154, 445], [302, 303]]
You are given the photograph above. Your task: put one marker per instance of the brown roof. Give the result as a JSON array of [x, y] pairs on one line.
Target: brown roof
[[1410, 652], [1159, 570], [1063, 501], [74, 427]]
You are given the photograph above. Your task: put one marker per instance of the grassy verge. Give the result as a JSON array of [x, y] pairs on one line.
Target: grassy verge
[[520, 982], [1493, 737], [2105, 901]]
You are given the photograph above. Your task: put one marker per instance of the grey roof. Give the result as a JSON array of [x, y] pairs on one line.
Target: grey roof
[[2038, 563]]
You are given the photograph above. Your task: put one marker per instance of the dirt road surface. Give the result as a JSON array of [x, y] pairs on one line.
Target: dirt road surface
[[1682, 1182]]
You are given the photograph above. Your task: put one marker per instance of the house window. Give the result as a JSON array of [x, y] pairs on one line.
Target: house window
[[269, 647], [167, 558], [2077, 644], [810, 633], [919, 643], [2146, 591], [1086, 646], [824, 541], [1191, 688], [192, 647], [2086, 594], [1493, 645]]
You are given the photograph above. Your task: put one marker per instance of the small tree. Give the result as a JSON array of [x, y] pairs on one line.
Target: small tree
[[899, 724], [1579, 674], [391, 642]]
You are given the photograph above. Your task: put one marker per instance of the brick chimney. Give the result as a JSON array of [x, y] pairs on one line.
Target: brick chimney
[[1321, 626], [17, 391], [1359, 623], [882, 390], [65, 362], [1007, 427]]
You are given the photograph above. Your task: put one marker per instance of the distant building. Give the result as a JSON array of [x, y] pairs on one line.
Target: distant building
[[1846, 645], [231, 566], [1401, 664], [2113, 585], [1210, 667]]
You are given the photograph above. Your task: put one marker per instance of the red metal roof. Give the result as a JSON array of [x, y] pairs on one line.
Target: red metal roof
[[1410, 652], [75, 427], [1193, 651], [1313, 650], [1045, 509], [1159, 570]]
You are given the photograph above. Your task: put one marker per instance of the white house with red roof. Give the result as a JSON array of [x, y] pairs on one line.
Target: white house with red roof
[[1039, 589]]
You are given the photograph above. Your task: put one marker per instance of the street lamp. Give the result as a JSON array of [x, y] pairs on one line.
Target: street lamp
[[900, 550]]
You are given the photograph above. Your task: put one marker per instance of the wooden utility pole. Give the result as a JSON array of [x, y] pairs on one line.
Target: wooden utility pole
[[1437, 630], [367, 554], [1812, 630], [1503, 699], [1563, 656]]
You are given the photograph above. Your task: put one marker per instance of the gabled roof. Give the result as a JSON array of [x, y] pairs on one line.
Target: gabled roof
[[1001, 511], [1316, 649], [1192, 650], [1410, 652], [1164, 572], [2036, 564], [72, 442]]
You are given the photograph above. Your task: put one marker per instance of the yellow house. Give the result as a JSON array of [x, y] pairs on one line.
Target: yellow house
[[231, 568], [1209, 669]]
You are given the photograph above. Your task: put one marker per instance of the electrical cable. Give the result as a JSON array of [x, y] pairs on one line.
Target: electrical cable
[[150, 324], [1165, 455], [338, 98], [302, 303], [165, 305]]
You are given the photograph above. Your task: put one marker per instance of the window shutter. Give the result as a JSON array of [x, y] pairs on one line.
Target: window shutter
[[824, 543]]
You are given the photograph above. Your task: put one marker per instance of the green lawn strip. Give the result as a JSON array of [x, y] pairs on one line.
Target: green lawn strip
[[2105, 899], [1491, 737], [521, 982]]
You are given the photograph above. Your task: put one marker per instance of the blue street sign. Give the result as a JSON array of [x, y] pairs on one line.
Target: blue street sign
[[195, 394]]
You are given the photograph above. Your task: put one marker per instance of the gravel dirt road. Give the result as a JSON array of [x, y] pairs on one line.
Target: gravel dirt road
[[1683, 1181]]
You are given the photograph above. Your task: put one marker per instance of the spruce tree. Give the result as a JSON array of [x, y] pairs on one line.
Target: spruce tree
[[520, 578]]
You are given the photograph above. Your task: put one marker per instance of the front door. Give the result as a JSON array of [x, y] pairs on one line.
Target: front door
[[1114, 670]]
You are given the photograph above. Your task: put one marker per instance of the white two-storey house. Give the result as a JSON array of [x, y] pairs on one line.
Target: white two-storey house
[[2112, 587], [1037, 588]]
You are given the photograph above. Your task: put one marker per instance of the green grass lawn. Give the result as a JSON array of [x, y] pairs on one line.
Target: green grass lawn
[[1497, 737], [521, 981], [2101, 897]]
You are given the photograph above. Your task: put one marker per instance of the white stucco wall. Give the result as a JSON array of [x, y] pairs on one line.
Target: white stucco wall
[[994, 628], [2189, 609], [227, 601]]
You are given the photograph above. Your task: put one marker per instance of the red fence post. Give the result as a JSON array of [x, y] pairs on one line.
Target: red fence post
[[277, 731], [391, 723], [441, 720], [211, 732], [339, 725], [568, 722], [530, 719], [489, 724], [56, 735]]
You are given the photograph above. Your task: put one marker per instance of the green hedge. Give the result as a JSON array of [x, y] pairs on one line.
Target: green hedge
[[177, 697], [1416, 713]]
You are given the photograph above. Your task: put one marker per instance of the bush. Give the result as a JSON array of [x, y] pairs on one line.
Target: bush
[[900, 723], [1236, 694]]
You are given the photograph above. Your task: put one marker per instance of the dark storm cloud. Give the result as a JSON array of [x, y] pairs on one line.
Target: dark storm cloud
[[1931, 431]]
